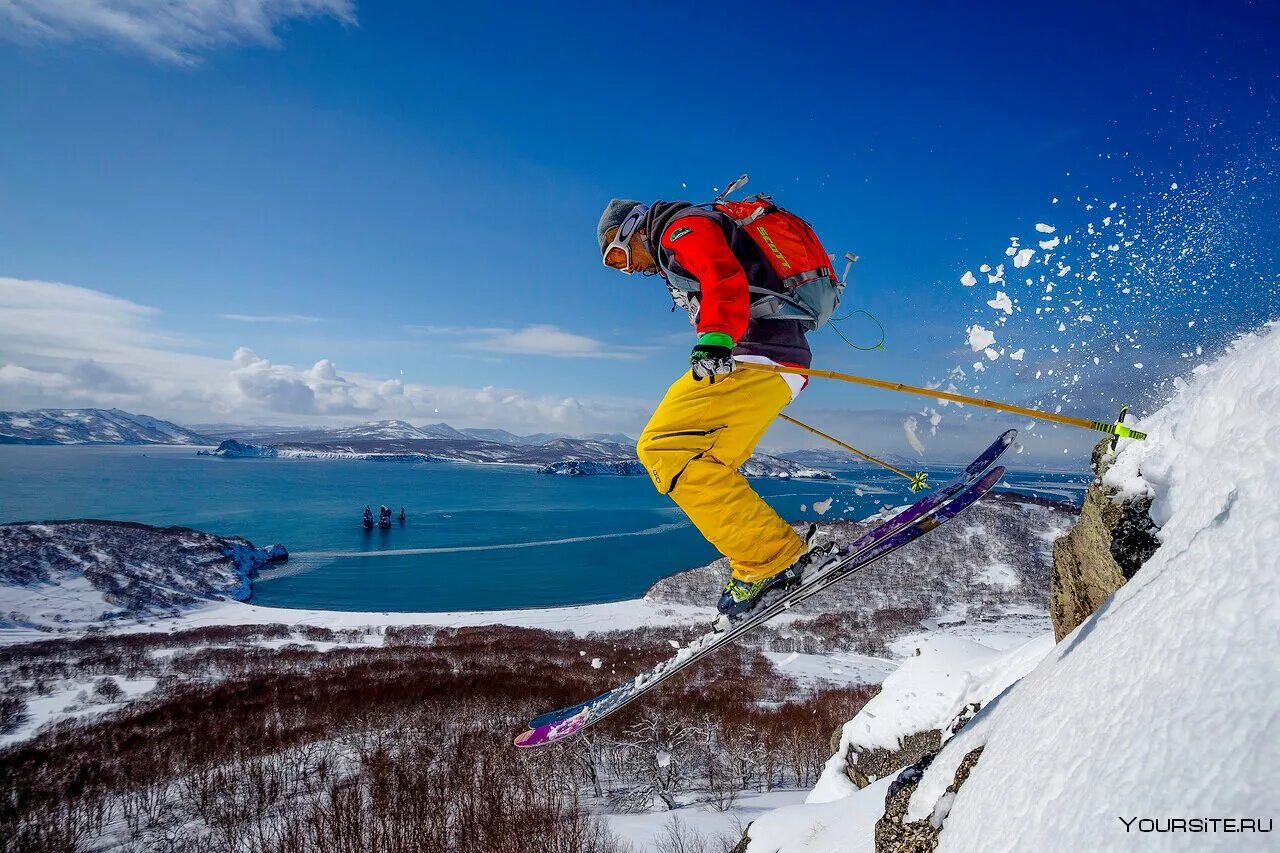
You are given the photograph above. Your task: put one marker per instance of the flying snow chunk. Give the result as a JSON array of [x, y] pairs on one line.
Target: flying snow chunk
[[1045, 229], [1023, 258], [1051, 243], [991, 353], [910, 426], [1017, 355], [596, 663], [821, 507], [967, 279], [1173, 186], [980, 338], [1001, 302], [1138, 365]]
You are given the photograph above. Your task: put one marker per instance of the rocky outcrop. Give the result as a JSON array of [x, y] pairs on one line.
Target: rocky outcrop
[[583, 468], [896, 834], [1108, 544], [864, 766], [232, 449]]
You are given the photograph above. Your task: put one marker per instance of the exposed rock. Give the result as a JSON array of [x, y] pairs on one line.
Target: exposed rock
[[864, 766], [895, 834], [583, 468], [892, 833], [1108, 544]]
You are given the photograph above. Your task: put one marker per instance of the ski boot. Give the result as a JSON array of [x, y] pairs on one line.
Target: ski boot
[[741, 597]]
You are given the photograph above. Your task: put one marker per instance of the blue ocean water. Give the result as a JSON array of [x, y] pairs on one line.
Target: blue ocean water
[[477, 537]]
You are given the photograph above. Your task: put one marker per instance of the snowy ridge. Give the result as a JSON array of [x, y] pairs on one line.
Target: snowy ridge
[[92, 426], [1162, 707], [62, 574]]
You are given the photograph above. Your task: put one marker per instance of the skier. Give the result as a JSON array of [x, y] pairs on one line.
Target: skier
[[712, 417]]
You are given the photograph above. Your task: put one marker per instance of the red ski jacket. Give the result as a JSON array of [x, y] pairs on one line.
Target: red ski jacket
[[699, 246]]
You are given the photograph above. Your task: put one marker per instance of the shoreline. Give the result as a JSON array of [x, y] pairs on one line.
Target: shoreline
[[580, 619]]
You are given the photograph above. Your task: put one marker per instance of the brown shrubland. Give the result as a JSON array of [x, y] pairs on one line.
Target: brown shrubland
[[404, 746]]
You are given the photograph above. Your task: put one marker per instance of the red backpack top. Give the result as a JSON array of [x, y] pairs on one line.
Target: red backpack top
[[811, 291], [793, 249]]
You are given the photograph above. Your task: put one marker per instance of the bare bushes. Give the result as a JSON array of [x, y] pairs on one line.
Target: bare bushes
[[13, 713], [405, 747]]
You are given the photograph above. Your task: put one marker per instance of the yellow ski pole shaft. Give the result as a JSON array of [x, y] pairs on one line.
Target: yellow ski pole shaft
[[855, 451], [1116, 429]]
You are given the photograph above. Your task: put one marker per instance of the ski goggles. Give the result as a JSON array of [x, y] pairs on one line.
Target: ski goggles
[[617, 255]]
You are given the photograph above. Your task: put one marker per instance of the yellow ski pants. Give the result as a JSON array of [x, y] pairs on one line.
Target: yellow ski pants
[[692, 448]]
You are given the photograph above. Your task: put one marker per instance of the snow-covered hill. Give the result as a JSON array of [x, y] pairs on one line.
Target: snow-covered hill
[[993, 562], [77, 573], [1151, 726], [92, 426]]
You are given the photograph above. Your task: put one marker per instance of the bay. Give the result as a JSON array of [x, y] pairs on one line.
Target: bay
[[477, 537]]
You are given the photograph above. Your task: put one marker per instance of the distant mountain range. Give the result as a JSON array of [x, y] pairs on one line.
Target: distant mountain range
[[393, 430], [380, 439], [564, 456], [92, 426], [114, 426]]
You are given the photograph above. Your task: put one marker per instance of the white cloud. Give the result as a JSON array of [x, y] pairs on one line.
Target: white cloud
[[68, 346], [178, 32], [273, 319], [540, 339]]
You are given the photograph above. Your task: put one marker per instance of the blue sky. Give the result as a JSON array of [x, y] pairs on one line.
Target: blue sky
[[391, 206]]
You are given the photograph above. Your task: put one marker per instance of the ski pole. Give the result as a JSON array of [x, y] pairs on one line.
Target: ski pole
[[918, 480], [1116, 429]]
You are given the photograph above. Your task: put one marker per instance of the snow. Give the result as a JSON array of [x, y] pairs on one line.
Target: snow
[[1172, 684], [1017, 354], [69, 700], [911, 428], [1046, 229], [999, 574], [646, 831], [968, 279], [821, 507], [1001, 302], [980, 338], [1023, 257], [833, 668], [580, 619], [843, 826], [926, 692]]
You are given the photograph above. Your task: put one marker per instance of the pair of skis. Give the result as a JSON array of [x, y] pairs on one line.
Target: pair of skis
[[907, 526]]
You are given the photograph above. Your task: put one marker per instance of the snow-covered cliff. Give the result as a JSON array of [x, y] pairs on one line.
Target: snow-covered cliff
[[1153, 724]]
